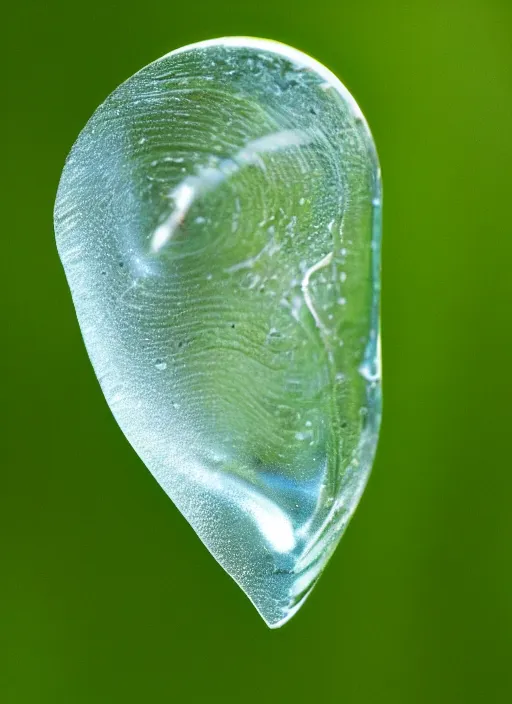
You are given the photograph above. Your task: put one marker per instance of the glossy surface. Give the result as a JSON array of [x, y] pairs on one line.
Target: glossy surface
[[219, 223]]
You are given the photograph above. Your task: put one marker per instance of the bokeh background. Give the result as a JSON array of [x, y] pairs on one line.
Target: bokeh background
[[106, 594]]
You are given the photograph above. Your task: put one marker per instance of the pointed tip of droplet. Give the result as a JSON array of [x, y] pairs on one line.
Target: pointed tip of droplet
[[275, 621], [274, 625], [275, 611]]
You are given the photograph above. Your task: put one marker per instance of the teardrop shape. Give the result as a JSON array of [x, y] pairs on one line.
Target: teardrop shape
[[218, 220]]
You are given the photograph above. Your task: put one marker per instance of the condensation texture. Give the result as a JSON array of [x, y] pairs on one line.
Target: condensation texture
[[219, 224]]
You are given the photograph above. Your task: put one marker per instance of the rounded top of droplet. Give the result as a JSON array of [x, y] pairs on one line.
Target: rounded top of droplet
[[297, 57]]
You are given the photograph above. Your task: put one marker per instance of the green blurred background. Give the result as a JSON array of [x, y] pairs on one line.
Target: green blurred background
[[106, 595]]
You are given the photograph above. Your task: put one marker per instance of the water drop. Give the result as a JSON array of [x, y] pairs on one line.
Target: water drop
[[227, 221]]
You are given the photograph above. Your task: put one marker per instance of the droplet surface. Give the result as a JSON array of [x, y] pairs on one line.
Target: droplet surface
[[218, 220]]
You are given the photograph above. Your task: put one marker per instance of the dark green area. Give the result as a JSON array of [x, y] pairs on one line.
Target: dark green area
[[106, 595]]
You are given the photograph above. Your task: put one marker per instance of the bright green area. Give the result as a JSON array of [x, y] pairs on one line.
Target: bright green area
[[416, 605]]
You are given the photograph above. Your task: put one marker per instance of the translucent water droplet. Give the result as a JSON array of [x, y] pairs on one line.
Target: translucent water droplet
[[237, 344]]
